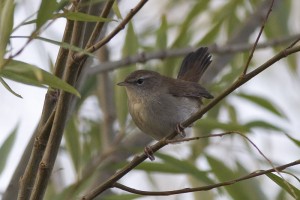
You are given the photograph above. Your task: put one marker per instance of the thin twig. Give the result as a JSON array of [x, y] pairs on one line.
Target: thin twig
[[208, 187], [120, 27], [257, 38], [99, 25], [244, 136]]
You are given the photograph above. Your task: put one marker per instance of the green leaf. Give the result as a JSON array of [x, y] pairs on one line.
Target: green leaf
[[223, 173], [72, 143], [6, 26], [130, 47], [29, 74], [45, 12], [185, 166], [61, 44], [251, 187], [66, 46], [158, 167], [8, 88], [262, 124], [211, 35], [209, 123], [161, 35], [297, 142], [292, 190], [121, 196], [184, 34], [6, 147], [279, 20], [117, 10], [232, 112], [262, 102], [78, 16]]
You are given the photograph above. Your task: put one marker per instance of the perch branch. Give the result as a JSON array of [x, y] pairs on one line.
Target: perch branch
[[140, 158], [208, 187]]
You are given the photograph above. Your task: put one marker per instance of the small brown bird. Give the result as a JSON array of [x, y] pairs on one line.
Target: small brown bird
[[158, 104]]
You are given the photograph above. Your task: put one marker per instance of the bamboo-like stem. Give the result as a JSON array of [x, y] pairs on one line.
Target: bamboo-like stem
[[43, 130], [53, 143]]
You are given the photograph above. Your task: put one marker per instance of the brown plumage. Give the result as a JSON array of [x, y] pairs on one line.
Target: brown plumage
[[158, 104]]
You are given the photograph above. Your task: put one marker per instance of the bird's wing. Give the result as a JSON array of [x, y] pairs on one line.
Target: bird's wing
[[194, 65], [188, 89]]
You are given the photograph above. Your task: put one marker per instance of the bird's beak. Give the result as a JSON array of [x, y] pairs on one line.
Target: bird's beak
[[122, 83]]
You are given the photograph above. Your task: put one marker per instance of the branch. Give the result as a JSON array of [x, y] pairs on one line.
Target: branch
[[120, 27], [242, 135], [99, 25], [208, 187], [257, 38], [61, 112], [140, 158], [171, 53]]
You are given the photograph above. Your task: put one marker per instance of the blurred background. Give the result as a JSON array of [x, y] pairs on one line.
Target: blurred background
[[100, 136]]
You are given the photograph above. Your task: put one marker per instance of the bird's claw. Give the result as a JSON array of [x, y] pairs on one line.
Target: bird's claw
[[180, 130], [148, 151]]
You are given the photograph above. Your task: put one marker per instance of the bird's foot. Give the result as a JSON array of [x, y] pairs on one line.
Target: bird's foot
[[148, 151], [180, 130]]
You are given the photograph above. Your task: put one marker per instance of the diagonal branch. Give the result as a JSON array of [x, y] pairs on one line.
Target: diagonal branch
[[208, 187], [99, 25], [257, 39], [120, 27], [140, 158]]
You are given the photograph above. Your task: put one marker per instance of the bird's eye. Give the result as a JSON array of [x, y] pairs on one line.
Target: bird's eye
[[140, 81]]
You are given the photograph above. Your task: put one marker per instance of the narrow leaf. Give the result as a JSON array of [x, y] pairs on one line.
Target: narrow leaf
[[297, 142], [8, 88], [58, 43], [72, 143], [185, 167], [121, 196], [45, 12], [184, 35], [6, 147], [66, 46], [130, 47], [251, 187], [223, 173], [117, 10], [211, 124], [262, 102], [77, 16], [262, 124], [161, 35], [292, 190], [29, 74], [6, 26], [211, 35]]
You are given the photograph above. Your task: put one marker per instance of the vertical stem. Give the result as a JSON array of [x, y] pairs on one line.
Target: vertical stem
[[40, 139], [60, 118]]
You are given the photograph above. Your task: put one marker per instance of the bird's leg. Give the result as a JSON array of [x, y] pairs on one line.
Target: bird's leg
[[148, 151], [180, 130]]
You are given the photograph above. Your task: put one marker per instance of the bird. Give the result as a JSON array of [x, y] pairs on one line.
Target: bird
[[159, 104]]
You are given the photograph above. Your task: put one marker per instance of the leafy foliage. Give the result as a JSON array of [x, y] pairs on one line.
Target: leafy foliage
[[176, 24]]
